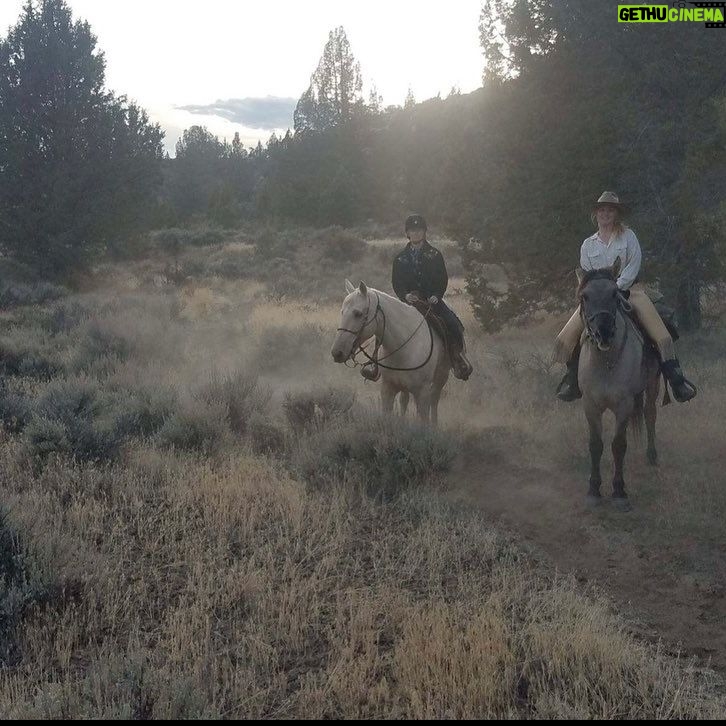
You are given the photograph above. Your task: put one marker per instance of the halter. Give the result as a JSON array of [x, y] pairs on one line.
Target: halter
[[377, 361]]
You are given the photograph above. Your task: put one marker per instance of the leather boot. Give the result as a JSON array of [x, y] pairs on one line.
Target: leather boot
[[461, 367], [569, 388], [683, 389]]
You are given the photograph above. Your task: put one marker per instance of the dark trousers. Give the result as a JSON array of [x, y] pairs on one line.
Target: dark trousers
[[454, 326]]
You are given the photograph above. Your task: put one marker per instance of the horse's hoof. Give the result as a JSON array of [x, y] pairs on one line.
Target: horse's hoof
[[652, 457], [622, 504], [593, 500]]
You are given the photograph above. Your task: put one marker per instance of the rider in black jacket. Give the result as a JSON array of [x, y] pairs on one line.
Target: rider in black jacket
[[419, 273]]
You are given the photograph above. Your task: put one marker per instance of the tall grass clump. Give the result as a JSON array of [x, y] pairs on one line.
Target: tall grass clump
[[100, 348], [320, 406], [22, 587], [382, 455]]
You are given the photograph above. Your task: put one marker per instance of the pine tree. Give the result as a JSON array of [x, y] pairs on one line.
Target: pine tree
[[238, 150], [79, 165], [375, 101], [335, 87]]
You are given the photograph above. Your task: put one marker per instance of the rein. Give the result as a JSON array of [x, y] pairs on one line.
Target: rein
[[374, 359]]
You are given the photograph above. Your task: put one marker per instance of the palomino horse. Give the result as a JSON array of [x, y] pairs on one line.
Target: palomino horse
[[616, 370], [412, 357]]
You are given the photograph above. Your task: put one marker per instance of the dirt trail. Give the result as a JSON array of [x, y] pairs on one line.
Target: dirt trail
[[659, 591]]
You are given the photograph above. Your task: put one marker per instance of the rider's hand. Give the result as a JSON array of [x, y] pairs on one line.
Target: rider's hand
[[411, 298], [433, 300]]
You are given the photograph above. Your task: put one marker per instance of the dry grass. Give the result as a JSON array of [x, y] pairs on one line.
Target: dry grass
[[206, 580], [187, 588]]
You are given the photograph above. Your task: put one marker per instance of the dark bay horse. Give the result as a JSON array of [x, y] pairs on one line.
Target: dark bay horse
[[617, 373]]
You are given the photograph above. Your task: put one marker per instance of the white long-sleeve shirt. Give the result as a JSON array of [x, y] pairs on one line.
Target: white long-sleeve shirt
[[597, 255]]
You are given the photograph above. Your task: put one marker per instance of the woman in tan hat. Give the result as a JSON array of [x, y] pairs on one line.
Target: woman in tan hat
[[614, 240]]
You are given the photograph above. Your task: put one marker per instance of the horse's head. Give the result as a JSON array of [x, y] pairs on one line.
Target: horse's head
[[357, 321], [598, 295]]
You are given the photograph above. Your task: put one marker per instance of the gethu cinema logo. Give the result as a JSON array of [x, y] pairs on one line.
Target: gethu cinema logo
[[708, 13]]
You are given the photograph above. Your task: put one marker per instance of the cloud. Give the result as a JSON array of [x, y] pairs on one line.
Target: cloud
[[271, 112]]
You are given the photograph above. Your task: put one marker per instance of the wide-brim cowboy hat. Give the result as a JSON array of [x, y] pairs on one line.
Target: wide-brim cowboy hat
[[610, 199]]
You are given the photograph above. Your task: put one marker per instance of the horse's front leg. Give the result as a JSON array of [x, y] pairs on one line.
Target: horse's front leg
[[594, 421], [423, 403], [651, 413], [435, 397], [403, 399], [388, 395], [620, 447]]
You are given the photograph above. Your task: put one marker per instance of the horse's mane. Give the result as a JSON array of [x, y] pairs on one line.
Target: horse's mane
[[590, 275]]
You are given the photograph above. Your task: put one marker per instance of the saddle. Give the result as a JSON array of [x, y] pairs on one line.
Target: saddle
[[457, 360], [436, 323], [668, 316], [433, 320], [371, 371]]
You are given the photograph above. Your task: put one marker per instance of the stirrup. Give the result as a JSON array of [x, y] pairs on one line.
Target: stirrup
[[673, 374]]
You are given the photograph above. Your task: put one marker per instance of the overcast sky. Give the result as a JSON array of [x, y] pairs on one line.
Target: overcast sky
[[241, 65]]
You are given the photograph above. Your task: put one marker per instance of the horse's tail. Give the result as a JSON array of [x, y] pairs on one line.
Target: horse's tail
[[637, 418]]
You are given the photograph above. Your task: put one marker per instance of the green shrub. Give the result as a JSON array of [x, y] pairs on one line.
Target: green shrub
[[15, 409], [339, 245], [72, 419], [143, 411], [237, 394], [174, 239], [272, 244], [383, 455], [65, 317], [199, 428], [28, 358], [15, 294], [231, 264], [265, 437], [100, 349]]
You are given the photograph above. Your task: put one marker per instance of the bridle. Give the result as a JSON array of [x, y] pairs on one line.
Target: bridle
[[374, 358], [621, 304], [358, 333]]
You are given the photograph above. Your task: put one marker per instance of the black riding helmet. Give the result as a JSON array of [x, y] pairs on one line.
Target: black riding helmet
[[415, 221]]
